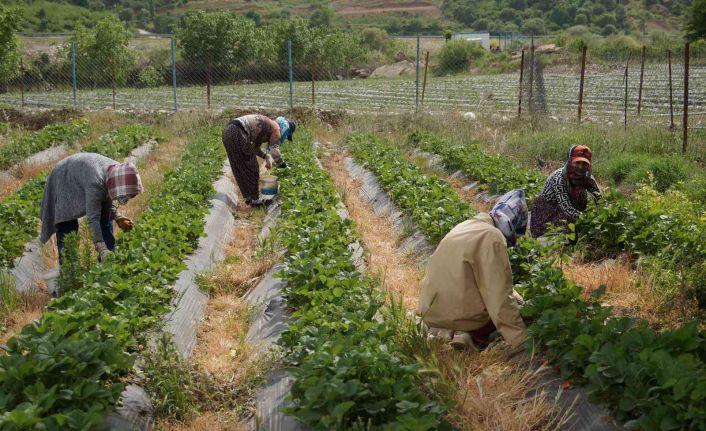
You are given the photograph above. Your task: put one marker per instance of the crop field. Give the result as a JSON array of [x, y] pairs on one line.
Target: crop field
[[603, 95], [356, 355]]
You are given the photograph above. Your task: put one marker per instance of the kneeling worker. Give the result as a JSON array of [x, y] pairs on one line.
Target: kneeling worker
[[468, 287]]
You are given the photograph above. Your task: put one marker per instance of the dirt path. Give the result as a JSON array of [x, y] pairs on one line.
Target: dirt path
[[484, 384]]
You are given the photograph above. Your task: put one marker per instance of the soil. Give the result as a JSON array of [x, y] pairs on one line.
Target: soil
[[385, 6], [37, 120]]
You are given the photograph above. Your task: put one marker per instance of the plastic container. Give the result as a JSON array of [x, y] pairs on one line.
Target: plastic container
[[268, 186]]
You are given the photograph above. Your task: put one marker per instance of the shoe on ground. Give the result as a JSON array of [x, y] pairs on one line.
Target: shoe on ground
[[463, 341], [258, 202], [444, 334]]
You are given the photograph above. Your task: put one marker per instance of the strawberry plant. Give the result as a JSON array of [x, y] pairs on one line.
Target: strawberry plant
[[64, 370], [494, 171], [51, 136], [431, 203], [349, 372]]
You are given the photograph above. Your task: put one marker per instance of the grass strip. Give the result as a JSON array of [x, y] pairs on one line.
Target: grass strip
[[64, 370]]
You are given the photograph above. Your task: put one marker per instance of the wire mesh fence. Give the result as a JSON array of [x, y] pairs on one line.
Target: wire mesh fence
[[618, 86]]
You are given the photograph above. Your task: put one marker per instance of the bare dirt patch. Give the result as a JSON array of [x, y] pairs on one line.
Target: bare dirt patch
[[37, 120]]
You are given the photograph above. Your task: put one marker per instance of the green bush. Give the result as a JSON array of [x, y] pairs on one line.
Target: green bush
[[457, 56], [149, 77]]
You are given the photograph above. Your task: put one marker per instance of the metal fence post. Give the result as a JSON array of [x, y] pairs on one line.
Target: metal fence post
[[416, 97], [583, 73], [73, 70], [522, 71], [174, 84], [291, 75], [642, 77], [424, 84], [685, 137], [531, 79]]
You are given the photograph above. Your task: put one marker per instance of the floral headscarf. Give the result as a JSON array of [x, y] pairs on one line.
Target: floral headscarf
[[510, 215]]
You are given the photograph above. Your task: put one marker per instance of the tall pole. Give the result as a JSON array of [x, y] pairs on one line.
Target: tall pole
[[522, 71], [531, 76], [671, 99], [416, 97], [625, 106], [291, 74], [313, 81], [583, 73], [686, 99], [174, 84], [73, 70], [22, 83], [642, 76], [424, 85]]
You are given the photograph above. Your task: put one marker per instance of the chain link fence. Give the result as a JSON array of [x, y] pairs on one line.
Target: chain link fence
[[426, 75]]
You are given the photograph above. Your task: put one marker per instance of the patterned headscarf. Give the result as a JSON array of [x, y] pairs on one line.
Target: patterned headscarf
[[286, 129], [510, 215], [123, 181]]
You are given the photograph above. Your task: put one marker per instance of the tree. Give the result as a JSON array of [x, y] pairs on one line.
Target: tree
[[217, 39], [9, 51], [103, 53], [456, 56], [534, 26], [696, 26], [322, 17]]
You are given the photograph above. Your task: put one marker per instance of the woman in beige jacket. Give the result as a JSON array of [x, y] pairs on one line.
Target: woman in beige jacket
[[467, 292]]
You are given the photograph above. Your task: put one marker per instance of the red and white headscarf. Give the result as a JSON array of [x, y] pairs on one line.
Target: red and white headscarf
[[123, 181]]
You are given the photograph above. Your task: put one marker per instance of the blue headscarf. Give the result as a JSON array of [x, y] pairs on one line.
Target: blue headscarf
[[510, 215], [283, 129]]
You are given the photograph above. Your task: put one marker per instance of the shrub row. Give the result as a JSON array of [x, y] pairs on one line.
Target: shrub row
[[50, 136], [349, 372], [652, 381], [64, 370], [430, 202], [19, 212]]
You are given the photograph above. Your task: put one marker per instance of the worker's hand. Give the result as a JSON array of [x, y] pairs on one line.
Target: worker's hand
[[268, 161], [102, 250], [124, 223]]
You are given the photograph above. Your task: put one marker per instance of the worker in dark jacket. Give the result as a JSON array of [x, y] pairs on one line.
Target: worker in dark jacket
[[243, 137], [565, 194], [91, 185]]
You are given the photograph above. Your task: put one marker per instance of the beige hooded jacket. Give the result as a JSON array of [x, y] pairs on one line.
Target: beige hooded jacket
[[469, 281]]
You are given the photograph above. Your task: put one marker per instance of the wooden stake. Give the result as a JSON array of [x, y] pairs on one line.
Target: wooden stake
[[625, 108], [22, 83], [522, 71], [671, 99], [685, 138], [642, 76], [313, 83], [583, 73], [424, 84]]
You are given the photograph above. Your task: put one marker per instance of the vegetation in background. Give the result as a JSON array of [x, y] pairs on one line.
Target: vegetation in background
[[696, 26], [9, 51], [458, 56]]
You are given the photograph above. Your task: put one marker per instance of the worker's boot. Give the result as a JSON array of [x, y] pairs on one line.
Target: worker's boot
[[463, 341]]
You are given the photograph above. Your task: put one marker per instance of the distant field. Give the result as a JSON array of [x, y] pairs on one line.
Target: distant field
[[604, 95]]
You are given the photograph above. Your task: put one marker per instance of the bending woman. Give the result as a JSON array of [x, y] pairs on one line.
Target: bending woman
[[242, 138], [565, 194]]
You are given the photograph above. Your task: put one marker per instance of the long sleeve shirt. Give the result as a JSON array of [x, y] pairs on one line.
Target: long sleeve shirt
[[76, 187], [260, 130], [469, 282]]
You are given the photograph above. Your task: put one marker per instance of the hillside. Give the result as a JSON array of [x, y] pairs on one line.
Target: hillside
[[397, 17]]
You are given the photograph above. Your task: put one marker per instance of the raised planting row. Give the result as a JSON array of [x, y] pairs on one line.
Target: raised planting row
[[120, 142], [666, 229], [493, 171], [350, 373], [65, 370], [52, 135], [19, 212], [652, 381], [430, 202]]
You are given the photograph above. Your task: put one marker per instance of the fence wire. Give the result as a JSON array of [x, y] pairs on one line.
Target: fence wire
[[618, 85]]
